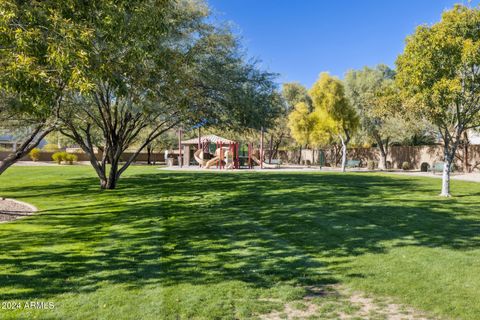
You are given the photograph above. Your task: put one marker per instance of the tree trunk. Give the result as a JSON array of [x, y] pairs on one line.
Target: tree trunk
[[344, 155], [271, 150], [277, 145], [382, 165], [449, 150], [149, 154], [344, 148], [31, 142], [383, 161], [383, 148], [466, 144], [109, 182], [446, 176], [8, 161], [335, 153], [299, 161]]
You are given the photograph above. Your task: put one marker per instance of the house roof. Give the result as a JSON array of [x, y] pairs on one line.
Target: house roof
[[210, 137], [7, 138]]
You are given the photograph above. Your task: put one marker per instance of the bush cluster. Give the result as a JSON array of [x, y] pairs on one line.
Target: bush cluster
[[69, 158], [34, 154]]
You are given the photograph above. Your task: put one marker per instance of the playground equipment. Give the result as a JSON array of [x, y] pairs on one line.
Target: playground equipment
[[264, 164], [214, 151], [223, 157], [215, 160], [198, 155], [230, 157]]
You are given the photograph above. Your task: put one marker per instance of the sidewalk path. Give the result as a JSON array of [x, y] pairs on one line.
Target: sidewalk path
[[474, 177]]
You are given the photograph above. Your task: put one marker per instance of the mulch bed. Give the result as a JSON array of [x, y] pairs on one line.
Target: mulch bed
[[13, 210]]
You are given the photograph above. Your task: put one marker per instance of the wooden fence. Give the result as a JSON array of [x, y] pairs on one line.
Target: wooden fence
[[397, 155]]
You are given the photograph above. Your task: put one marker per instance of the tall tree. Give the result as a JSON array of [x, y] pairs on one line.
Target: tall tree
[[155, 65], [333, 112], [41, 56], [301, 123], [373, 94], [126, 61], [294, 93], [440, 76]]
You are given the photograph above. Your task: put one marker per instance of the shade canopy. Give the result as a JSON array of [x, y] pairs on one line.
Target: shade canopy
[[211, 138]]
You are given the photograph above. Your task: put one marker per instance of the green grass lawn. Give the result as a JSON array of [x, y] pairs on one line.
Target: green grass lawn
[[186, 245]]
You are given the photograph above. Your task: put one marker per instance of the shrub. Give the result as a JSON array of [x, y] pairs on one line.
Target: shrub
[[371, 164], [58, 157], [406, 165], [308, 162], [34, 154], [50, 147], [70, 158]]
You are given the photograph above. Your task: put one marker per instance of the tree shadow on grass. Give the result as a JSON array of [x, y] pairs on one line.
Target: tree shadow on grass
[[205, 228]]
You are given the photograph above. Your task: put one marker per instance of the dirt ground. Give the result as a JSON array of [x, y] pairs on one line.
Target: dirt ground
[[336, 302], [11, 210]]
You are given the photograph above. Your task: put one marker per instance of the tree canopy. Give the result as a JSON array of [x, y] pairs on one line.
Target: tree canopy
[[154, 66], [294, 93], [373, 93], [41, 55], [334, 115], [301, 123], [439, 76]]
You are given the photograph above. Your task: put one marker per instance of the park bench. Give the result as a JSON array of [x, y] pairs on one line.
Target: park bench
[[438, 167], [352, 164], [276, 162]]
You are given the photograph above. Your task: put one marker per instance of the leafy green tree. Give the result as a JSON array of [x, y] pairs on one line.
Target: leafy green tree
[[438, 72], [41, 57], [373, 95], [124, 61], [294, 93], [333, 114], [156, 65]]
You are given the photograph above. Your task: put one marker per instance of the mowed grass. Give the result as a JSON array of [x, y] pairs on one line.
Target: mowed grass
[[204, 245]]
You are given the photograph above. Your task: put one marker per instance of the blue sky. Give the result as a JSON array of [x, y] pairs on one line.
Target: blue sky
[[301, 38]]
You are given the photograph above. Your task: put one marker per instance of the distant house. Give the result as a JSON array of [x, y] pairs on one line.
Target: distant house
[[10, 142]]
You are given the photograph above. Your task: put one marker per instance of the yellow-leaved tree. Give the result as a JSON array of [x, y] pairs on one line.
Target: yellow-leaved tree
[[333, 117], [300, 123]]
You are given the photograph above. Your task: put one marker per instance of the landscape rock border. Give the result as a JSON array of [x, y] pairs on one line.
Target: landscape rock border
[[11, 210]]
